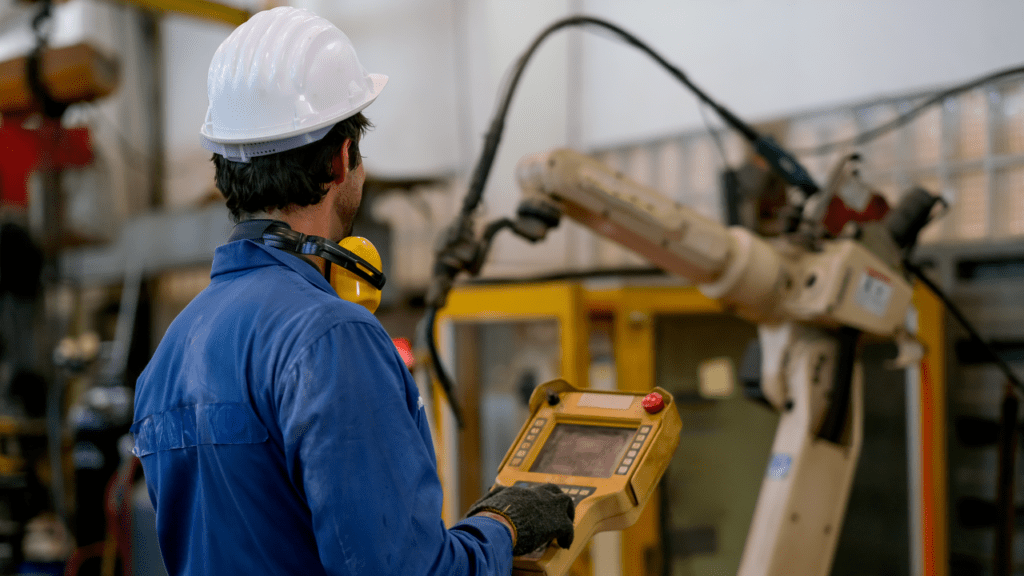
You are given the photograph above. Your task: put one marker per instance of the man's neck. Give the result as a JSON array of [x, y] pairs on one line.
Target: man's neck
[[301, 219], [317, 219]]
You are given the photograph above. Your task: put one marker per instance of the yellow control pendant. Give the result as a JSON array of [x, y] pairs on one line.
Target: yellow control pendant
[[351, 287]]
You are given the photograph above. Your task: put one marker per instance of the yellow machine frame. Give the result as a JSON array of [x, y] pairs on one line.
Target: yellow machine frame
[[633, 309]]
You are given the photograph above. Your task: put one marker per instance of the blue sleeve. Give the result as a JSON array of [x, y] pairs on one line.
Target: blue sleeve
[[355, 449]]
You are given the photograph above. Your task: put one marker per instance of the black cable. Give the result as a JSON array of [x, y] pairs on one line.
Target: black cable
[[439, 371], [910, 115], [975, 336], [574, 275], [716, 137], [487, 238], [435, 358], [450, 262], [493, 137], [42, 25]]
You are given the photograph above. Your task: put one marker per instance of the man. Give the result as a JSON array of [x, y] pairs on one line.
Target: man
[[279, 430]]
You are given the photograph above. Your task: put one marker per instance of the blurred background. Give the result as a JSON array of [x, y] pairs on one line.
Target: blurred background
[[109, 216]]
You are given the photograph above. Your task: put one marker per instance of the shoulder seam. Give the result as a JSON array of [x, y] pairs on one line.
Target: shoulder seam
[[291, 366]]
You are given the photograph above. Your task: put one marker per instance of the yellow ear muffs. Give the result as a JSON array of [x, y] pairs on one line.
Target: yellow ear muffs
[[351, 287]]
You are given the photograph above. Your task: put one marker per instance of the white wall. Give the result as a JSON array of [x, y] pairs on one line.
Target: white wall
[[769, 58], [446, 60]]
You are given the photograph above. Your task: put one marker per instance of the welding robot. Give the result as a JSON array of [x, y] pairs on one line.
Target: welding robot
[[814, 292], [812, 297]]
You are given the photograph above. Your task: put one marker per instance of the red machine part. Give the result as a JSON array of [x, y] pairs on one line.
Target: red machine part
[[839, 213], [653, 403], [48, 148], [405, 351]]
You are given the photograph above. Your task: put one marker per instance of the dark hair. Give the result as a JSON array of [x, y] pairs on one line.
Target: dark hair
[[291, 177]]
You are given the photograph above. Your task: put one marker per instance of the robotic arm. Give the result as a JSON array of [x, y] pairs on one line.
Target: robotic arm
[[841, 283], [811, 301]]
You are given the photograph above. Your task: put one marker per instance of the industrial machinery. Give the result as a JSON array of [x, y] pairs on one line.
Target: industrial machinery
[[812, 297], [607, 450], [830, 277]]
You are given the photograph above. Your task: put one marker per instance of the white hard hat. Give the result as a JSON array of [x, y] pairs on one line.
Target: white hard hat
[[280, 81]]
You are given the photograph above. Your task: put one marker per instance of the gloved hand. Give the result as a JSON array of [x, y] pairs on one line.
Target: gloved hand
[[539, 514]]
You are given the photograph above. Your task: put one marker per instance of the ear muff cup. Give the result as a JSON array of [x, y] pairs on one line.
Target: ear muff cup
[[351, 287]]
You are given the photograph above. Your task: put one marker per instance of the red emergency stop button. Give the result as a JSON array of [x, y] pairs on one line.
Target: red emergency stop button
[[653, 403]]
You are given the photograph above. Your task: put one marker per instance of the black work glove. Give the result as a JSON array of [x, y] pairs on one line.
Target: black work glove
[[539, 514]]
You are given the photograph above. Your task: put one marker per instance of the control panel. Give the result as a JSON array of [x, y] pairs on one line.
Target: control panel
[[605, 449]]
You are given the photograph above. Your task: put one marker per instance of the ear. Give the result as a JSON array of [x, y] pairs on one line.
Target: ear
[[339, 165]]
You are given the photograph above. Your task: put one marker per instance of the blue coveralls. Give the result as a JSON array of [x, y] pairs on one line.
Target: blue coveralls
[[280, 433]]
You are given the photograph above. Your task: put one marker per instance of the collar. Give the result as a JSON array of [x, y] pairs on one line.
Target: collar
[[244, 255], [250, 229], [254, 230]]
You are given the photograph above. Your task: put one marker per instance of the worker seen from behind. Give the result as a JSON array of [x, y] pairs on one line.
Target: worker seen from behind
[[279, 430]]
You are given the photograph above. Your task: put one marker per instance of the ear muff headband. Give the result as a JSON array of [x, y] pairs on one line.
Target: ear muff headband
[[279, 235]]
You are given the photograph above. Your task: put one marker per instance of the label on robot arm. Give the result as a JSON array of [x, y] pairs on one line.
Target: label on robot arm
[[874, 292], [778, 467]]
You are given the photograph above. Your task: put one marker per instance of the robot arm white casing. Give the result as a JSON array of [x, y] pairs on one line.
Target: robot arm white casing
[[729, 264], [844, 284]]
